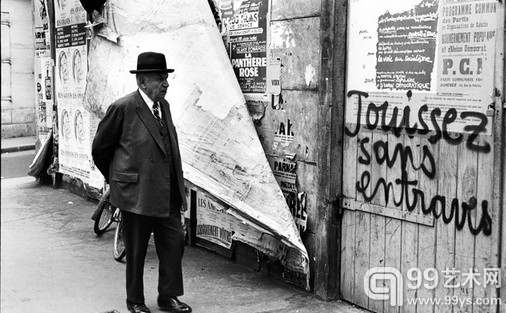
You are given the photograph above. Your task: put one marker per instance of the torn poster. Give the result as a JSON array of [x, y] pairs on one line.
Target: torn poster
[[220, 148], [285, 172]]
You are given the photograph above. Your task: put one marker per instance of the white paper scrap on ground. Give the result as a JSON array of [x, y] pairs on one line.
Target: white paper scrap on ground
[[220, 148]]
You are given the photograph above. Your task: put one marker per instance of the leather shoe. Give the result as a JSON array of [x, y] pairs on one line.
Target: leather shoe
[[137, 308], [173, 305]]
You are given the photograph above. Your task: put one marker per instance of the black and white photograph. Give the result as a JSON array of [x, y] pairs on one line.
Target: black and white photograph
[[259, 156]]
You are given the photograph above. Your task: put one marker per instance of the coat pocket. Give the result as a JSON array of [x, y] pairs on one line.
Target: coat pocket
[[125, 177]]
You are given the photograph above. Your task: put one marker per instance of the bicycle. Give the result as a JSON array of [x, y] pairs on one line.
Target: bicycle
[[104, 216], [118, 248]]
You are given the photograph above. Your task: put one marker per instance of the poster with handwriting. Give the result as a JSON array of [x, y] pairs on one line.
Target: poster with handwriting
[[421, 65]]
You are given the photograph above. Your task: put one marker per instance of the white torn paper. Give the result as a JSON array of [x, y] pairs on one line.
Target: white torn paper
[[220, 148]]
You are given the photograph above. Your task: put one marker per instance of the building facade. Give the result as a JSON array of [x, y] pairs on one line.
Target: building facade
[[18, 98]]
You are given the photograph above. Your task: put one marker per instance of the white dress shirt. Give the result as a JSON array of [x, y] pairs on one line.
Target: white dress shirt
[[150, 103]]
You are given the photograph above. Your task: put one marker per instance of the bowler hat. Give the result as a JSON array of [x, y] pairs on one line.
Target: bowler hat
[[151, 62]]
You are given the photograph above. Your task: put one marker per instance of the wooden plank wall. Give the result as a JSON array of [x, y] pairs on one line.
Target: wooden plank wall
[[298, 34], [469, 177], [371, 240]]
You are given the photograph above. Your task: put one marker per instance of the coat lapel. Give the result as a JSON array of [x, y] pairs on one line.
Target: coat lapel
[[175, 148], [170, 126], [149, 121]]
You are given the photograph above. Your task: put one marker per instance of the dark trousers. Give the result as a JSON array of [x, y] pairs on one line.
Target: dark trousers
[[169, 243]]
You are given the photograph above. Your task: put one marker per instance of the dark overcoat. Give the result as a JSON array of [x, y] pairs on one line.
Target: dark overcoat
[[128, 150]]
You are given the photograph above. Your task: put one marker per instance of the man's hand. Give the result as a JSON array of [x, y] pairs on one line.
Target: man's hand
[[185, 230]]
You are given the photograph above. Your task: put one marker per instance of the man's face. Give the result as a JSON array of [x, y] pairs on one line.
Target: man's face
[[155, 85]]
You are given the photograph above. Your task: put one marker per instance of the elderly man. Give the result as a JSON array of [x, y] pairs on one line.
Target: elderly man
[[136, 149]]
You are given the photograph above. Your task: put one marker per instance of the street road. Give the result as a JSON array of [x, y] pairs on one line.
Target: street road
[[15, 164], [52, 261]]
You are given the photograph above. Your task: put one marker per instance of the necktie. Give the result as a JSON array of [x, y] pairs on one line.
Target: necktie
[[156, 111]]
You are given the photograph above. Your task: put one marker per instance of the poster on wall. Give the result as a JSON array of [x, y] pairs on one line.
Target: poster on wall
[[244, 30], [43, 67], [70, 82], [214, 224], [41, 25], [44, 90], [217, 224], [421, 64], [285, 172], [69, 12]]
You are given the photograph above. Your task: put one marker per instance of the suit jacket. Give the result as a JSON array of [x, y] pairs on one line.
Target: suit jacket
[[128, 150]]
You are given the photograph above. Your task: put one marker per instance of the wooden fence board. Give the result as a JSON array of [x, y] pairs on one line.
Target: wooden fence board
[[392, 252], [362, 247], [445, 239], [464, 240], [377, 257], [426, 235], [394, 173], [409, 261], [363, 227], [486, 254], [350, 166], [377, 252], [348, 256], [410, 240]]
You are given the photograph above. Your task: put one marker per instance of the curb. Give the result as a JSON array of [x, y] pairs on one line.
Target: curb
[[18, 148]]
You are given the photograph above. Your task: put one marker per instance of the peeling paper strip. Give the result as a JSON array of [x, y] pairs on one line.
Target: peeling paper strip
[[310, 74]]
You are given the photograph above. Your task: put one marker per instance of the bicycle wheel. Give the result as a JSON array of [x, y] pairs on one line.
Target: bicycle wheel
[[104, 216], [118, 251]]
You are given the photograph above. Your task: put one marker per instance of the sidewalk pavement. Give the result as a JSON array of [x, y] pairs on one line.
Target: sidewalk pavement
[[52, 261], [18, 144]]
